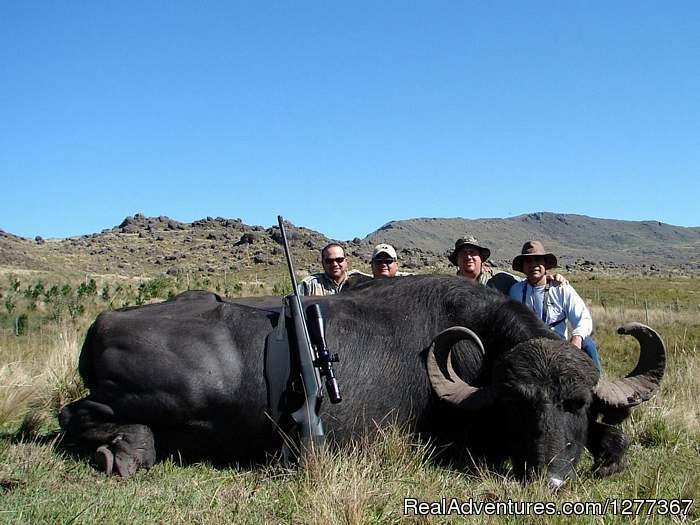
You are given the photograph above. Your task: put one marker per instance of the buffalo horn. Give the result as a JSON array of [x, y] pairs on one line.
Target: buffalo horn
[[642, 382], [450, 388]]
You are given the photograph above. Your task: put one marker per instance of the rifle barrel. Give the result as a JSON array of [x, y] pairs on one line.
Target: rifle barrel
[[287, 253]]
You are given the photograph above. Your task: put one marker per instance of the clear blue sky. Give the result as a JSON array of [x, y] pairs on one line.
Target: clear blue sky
[[343, 116]]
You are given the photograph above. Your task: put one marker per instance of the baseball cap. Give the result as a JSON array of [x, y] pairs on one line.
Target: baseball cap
[[384, 248]]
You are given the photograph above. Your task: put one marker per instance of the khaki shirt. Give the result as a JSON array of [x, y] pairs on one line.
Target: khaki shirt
[[501, 281], [320, 284], [485, 275]]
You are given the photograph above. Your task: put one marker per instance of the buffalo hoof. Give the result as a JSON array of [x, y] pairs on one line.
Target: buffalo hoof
[[104, 459], [125, 465], [115, 460], [123, 461], [133, 449]]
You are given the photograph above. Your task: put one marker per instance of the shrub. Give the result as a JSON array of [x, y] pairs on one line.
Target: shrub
[[159, 287], [284, 288], [10, 305], [87, 289], [21, 324]]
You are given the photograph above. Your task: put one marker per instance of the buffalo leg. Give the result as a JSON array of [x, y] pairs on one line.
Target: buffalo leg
[[132, 448]]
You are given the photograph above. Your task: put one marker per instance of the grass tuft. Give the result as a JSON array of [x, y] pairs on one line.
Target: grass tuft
[[655, 431]]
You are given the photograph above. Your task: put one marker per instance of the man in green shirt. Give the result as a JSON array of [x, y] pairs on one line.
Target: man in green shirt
[[334, 275]]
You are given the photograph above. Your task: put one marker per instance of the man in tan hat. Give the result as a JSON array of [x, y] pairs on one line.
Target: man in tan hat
[[554, 305], [469, 258]]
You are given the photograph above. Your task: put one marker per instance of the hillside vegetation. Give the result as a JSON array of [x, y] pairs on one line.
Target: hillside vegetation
[[147, 247]]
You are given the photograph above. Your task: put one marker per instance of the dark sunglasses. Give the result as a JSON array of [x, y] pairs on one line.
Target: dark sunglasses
[[338, 260], [384, 261]]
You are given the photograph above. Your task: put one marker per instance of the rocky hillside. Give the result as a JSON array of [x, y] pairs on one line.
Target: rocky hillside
[[148, 246], [579, 241]]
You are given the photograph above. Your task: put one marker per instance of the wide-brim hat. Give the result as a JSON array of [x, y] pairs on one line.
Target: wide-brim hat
[[468, 241], [534, 249]]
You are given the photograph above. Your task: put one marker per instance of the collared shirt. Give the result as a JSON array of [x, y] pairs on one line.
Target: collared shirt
[[563, 304], [485, 275], [320, 284]]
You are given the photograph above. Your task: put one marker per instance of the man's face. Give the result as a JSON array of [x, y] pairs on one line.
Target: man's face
[[469, 262], [533, 268], [334, 263], [384, 265]]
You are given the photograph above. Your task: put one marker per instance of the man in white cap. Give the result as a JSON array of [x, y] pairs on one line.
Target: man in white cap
[[554, 305], [385, 261]]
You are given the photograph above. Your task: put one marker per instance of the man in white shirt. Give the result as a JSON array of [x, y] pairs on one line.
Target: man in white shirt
[[554, 305]]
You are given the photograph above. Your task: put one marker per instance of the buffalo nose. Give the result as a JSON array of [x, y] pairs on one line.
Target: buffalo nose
[[555, 483], [561, 467]]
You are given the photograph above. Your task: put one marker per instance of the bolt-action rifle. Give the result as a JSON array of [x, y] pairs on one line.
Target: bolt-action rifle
[[314, 360]]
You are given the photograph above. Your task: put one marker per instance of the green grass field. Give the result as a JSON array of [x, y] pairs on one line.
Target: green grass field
[[367, 484]]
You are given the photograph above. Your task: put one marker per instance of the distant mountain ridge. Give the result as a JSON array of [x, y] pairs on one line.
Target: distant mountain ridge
[[149, 246], [571, 237]]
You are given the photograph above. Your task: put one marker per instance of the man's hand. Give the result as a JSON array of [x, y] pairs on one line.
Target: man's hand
[[576, 340], [556, 279]]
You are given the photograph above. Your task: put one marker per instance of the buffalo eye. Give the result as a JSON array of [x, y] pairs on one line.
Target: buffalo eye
[[573, 405]]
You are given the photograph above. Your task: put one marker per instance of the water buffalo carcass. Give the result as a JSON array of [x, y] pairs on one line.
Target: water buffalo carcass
[[187, 375]]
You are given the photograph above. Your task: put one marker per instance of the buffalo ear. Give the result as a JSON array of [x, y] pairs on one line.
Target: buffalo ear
[[607, 444]]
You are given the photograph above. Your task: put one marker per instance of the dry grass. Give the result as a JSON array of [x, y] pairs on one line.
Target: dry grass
[[16, 391], [676, 402], [33, 389], [651, 316]]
